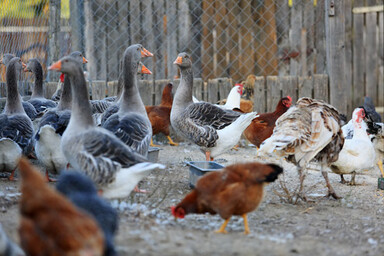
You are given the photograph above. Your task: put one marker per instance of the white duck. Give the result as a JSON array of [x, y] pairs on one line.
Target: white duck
[[16, 129], [113, 166], [358, 152], [51, 128], [212, 128]]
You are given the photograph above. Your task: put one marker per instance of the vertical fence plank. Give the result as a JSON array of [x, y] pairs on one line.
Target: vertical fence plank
[[321, 87], [231, 20], [380, 90], [294, 37], [273, 92], [145, 89], [184, 23], [371, 56], [289, 86], [195, 11], [224, 86], [348, 55], [113, 44], [283, 30], [358, 60], [198, 88], [260, 95], [159, 21], [335, 41], [309, 25], [246, 23], [207, 38], [171, 12], [320, 55], [98, 90], [213, 87], [219, 40], [148, 36], [134, 21], [305, 87]]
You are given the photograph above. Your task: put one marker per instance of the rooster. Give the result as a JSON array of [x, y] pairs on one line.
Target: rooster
[[160, 115], [236, 190], [310, 130], [358, 152], [262, 126]]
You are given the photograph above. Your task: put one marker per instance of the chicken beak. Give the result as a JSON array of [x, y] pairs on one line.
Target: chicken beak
[[55, 66], [178, 60], [146, 53], [85, 60], [145, 70]]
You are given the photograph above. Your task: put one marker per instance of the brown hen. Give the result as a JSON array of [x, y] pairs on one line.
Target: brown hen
[[236, 190], [262, 126], [160, 115], [52, 225]]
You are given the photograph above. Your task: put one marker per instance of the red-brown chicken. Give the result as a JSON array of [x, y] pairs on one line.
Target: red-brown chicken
[[52, 225], [236, 190], [160, 115], [262, 126]]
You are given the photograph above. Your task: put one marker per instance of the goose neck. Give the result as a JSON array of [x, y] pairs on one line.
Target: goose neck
[[66, 95], [38, 89], [183, 95], [14, 101]]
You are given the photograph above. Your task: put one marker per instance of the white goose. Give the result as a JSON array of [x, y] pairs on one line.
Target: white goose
[[51, 128], [212, 128], [16, 129], [113, 166]]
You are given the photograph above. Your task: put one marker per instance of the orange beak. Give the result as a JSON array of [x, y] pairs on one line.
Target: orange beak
[[23, 65], [146, 53], [55, 66], [145, 70], [85, 60], [178, 60]]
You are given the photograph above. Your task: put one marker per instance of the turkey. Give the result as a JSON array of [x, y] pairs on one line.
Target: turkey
[[310, 130]]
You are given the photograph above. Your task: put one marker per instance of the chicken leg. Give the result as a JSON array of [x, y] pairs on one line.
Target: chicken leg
[[222, 228], [342, 181], [171, 142], [208, 156], [153, 145], [380, 164], [47, 177], [300, 194], [12, 176], [246, 227], [331, 191]]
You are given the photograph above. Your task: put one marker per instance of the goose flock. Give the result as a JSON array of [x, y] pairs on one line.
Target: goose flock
[[108, 140]]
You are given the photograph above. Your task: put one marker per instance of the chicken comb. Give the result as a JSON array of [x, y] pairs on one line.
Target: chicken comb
[[289, 97]]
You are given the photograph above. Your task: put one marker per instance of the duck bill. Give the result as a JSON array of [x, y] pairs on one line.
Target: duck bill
[[55, 66], [85, 60], [145, 70], [178, 60], [146, 53]]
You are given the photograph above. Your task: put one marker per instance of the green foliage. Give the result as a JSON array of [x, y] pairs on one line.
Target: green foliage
[[30, 9]]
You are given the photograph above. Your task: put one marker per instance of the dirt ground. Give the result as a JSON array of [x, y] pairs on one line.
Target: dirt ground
[[352, 225]]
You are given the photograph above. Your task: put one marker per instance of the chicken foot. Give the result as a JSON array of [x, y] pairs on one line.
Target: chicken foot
[[380, 165], [171, 142], [300, 194], [331, 191], [153, 145], [222, 230], [246, 227], [353, 182], [342, 181], [12, 176]]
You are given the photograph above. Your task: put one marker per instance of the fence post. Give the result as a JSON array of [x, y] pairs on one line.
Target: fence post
[[53, 35], [335, 48], [75, 7]]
